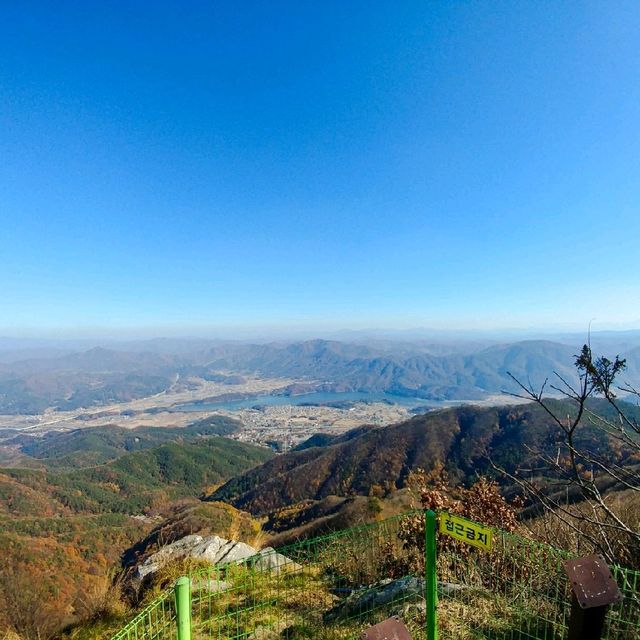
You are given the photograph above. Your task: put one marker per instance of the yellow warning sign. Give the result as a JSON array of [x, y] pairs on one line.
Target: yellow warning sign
[[467, 531]]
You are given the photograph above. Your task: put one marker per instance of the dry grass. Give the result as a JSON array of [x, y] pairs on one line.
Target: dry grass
[[554, 531], [482, 614], [103, 599]]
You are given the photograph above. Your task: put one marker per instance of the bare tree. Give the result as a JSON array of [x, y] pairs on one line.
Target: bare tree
[[574, 490]]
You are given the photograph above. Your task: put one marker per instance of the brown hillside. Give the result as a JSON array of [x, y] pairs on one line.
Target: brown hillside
[[378, 460]]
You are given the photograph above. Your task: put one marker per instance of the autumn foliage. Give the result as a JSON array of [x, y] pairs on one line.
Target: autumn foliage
[[482, 502]]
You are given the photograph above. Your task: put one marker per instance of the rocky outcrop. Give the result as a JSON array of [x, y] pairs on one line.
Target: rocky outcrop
[[377, 595], [216, 551], [407, 592]]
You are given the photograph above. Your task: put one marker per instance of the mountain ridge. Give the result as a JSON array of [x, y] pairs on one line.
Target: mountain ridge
[[377, 461], [100, 376]]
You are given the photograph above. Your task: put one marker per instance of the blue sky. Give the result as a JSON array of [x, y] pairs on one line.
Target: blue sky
[[179, 166]]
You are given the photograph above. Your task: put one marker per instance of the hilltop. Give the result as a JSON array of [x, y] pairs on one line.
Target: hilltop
[[94, 446]]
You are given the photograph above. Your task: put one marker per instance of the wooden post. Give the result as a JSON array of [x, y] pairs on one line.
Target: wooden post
[[586, 624]]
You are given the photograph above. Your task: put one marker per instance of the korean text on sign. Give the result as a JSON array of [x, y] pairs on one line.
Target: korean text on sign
[[466, 531]]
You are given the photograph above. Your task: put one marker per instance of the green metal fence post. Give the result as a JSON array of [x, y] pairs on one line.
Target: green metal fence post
[[430, 576], [183, 608]]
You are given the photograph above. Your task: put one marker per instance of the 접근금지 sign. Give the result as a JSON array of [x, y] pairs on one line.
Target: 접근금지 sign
[[466, 531]]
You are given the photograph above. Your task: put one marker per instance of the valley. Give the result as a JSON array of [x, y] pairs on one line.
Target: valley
[[287, 425], [265, 444], [157, 410], [282, 393], [280, 425]]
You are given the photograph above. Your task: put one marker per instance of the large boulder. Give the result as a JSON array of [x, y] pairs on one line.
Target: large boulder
[[216, 550], [213, 549]]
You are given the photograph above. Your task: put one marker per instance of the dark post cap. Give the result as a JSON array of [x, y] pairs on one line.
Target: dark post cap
[[592, 582], [391, 629]]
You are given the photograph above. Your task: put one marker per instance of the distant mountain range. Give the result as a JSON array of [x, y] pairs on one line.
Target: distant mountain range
[[433, 371]]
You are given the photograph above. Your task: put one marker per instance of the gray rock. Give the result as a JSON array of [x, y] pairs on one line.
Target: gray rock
[[412, 610], [451, 589], [268, 559], [213, 549], [216, 550], [210, 586], [377, 595], [387, 592]]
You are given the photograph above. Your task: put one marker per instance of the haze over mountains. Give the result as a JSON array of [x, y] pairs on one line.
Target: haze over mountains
[[34, 378], [82, 495]]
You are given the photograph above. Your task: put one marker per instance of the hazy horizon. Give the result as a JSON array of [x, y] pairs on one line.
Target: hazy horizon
[[298, 333]]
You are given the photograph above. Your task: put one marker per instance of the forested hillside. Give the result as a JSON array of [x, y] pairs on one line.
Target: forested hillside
[[89, 447], [377, 461], [62, 530], [131, 483]]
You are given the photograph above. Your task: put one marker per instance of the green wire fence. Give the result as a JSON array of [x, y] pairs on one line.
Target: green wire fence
[[333, 587], [155, 621]]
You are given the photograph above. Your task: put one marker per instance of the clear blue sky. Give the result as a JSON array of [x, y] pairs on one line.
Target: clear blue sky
[[446, 164]]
